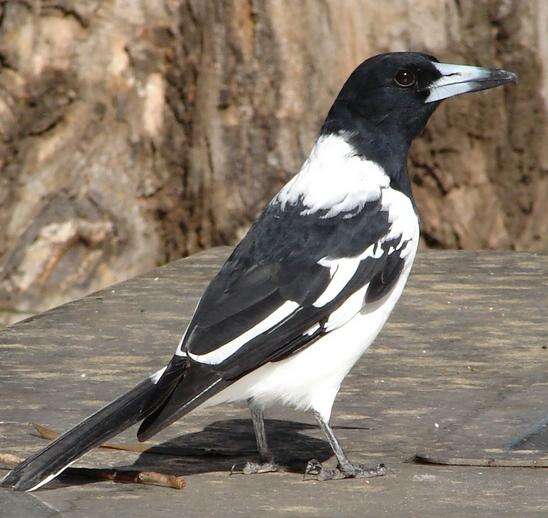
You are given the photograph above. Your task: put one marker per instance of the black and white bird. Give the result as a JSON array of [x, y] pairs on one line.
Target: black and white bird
[[310, 286]]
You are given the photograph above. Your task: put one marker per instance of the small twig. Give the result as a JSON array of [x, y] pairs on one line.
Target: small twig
[[423, 458], [134, 477], [9, 461], [50, 434], [148, 447]]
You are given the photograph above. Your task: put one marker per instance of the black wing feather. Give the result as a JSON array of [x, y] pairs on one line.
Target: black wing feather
[[277, 261]]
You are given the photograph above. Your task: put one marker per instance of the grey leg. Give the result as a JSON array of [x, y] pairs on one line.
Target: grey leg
[[265, 455], [266, 462], [345, 468]]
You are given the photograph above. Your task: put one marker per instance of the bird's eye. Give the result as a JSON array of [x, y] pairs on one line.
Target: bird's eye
[[405, 78]]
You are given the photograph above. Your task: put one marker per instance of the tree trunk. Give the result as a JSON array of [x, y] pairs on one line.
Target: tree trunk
[[133, 133]]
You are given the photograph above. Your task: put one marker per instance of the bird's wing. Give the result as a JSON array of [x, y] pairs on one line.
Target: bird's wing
[[296, 275]]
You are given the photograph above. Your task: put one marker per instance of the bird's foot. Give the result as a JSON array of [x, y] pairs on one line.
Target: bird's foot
[[315, 470], [252, 468]]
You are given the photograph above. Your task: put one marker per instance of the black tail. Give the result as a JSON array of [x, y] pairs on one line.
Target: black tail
[[45, 465], [198, 384]]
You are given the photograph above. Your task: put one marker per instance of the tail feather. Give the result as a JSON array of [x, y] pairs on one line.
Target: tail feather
[[160, 400], [198, 384], [112, 419]]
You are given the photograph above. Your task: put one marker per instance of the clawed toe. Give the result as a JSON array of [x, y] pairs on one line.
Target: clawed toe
[[361, 471], [253, 468], [314, 470]]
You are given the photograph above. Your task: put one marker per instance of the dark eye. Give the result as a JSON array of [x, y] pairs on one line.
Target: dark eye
[[405, 78]]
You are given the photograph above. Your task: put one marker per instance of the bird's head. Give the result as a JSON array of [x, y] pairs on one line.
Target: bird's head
[[397, 92]]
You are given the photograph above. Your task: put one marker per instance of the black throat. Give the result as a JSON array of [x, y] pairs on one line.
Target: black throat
[[381, 142]]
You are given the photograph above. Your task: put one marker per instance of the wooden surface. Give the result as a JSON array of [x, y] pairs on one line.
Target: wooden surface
[[460, 369]]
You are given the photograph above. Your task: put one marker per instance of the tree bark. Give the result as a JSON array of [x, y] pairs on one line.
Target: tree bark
[[133, 133]]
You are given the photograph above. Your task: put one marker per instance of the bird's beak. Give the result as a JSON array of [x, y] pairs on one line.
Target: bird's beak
[[461, 79]]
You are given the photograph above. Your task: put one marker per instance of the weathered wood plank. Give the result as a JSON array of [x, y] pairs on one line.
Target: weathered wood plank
[[461, 366]]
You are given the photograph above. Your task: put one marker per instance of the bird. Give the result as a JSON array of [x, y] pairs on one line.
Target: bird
[[307, 290]]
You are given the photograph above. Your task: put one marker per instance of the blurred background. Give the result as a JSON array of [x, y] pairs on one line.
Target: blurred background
[[133, 133]]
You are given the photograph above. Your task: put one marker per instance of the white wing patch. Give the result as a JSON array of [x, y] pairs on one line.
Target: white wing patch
[[225, 351], [403, 226], [350, 308], [335, 179], [312, 330], [342, 270]]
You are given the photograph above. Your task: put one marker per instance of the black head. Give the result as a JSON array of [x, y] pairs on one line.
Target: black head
[[389, 91], [400, 90], [387, 100]]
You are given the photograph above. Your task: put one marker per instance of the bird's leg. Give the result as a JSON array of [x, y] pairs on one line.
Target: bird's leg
[[257, 416], [266, 462], [344, 469]]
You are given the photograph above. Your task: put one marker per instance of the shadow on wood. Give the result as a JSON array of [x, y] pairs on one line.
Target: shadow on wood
[[218, 447]]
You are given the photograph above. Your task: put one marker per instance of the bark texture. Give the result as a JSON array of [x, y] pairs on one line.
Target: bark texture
[[133, 133]]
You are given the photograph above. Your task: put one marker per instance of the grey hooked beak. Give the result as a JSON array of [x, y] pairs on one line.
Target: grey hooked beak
[[461, 79]]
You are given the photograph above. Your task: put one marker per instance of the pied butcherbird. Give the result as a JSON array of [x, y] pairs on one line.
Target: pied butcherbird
[[307, 290]]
